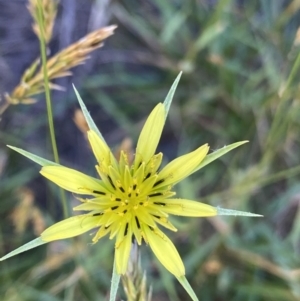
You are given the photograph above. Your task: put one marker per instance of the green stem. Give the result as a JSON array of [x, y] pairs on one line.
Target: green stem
[[115, 279], [48, 97]]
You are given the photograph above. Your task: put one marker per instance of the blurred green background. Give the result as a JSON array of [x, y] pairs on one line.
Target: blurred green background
[[240, 63]]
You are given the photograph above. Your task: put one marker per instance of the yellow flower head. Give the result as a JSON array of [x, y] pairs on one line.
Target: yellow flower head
[[130, 201]]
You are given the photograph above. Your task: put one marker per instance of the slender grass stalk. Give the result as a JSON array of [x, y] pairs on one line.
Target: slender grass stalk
[[40, 20], [280, 119]]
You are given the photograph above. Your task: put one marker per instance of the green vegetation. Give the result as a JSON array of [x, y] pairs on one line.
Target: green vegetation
[[240, 63]]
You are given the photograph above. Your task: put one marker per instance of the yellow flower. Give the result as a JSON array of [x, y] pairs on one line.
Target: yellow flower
[[131, 200]]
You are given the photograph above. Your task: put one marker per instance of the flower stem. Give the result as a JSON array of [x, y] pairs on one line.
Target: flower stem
[[48, 98], [115, 279]]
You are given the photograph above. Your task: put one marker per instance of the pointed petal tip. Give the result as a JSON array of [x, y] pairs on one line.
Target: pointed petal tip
[[222, 211], [30, 245], [185, 284]]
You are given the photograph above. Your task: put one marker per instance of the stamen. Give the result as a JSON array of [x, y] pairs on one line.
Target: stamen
[[156, 216], [159, 203], [147, 176], [134, 186], [97, 214], [155, 194], [159, 182], [118, 199], [111, 182], [114, 208], [99, 192], [125, 211], [126, 229], [137, 222]]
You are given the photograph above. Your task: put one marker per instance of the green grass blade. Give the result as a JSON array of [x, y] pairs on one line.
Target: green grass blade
[[30, 245]]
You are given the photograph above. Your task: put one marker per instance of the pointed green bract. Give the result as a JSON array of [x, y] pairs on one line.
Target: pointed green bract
[[169, 98], [183, 281], [222, 211], [30, 245], [87, 115], [39, 160], [219, 153]]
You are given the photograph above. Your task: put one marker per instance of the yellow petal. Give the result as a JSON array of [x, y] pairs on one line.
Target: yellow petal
[[96, 205], [88, 206], [123, 247], [181, 167], [100, 149], [72, 180], [150, 134], [70, 227], [185, 207], [100, 233], [164, 250]]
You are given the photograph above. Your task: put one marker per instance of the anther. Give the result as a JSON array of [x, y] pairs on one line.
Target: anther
[[147, 176], [159, 203], [155, 194], [114, 208], [156, 216], [137, 222], [97, 214], [111, 182], [99, 192], [159, 182], [126, 229]]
